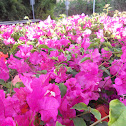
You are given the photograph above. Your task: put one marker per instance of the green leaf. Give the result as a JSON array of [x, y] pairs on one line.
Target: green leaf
[[60, 50], [26, 17], [19, 84], [51, 49], [69, 69], [79, 122], [33, 50], [31, 43], [80, 106], [68, 57], [108, 44], [15, 36], [118, 55], [43, 46], [84, 59], [117, 49], [42, 72], [106, 48], [96, 113], [117, 115], [94, 44], [14, 47], [54, 58], [62, 88], [59, 124], [7, 85], [105, 70], [118, 37], [82, 50], [37, 75], [2, 81], [112, 36]]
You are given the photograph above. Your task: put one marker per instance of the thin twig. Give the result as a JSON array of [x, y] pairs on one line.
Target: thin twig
[[108, 67], [113, 75], [99, 120]]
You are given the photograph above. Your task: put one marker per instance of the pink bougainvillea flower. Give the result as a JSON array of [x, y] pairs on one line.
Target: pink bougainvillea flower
[[71, 83], [61, 75], [46, 105], [85, 43], [43, 81], [49, 108], [45, 100], [4, 71], [106, 54], [67, 112], [16, 79], [21, 94], [24, 51], [107, 83], [6, 35], [35, 58], [115, 66], [100, 35], [2, 107], [53, 91], [12, 107], [4, 118], [94, 56], [120, 84], [25, 119], [9, 41], [8, 122], [89, 71], [20, 65], [27, 80], [123, 56]]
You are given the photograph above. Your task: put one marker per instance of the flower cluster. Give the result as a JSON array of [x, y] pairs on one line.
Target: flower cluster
[[51, 66]]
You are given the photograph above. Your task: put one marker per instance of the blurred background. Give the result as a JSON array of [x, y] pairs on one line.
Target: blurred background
[[18, 9]]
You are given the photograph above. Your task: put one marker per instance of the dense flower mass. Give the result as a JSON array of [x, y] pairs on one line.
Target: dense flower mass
[[53, 65]]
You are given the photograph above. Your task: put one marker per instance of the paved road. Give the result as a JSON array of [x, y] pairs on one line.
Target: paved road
[[18, 22]]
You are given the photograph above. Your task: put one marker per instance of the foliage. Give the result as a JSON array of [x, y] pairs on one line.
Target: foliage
[[18, 9], [75, 7], [44, 8], [82, 6], [99, 5], [117, 113], [13, 9], [59, 8], [119, 5]]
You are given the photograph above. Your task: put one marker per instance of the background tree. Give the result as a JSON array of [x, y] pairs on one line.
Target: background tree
[[13, 10], [119, 5], [43, 8], [86, 6], [18, 9]]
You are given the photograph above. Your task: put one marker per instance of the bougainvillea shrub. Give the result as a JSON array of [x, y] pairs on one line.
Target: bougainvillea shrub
[[65, 72]]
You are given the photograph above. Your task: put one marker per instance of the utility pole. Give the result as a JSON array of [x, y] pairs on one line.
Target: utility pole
[[67, 6], [93, 6], [32, 2]]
